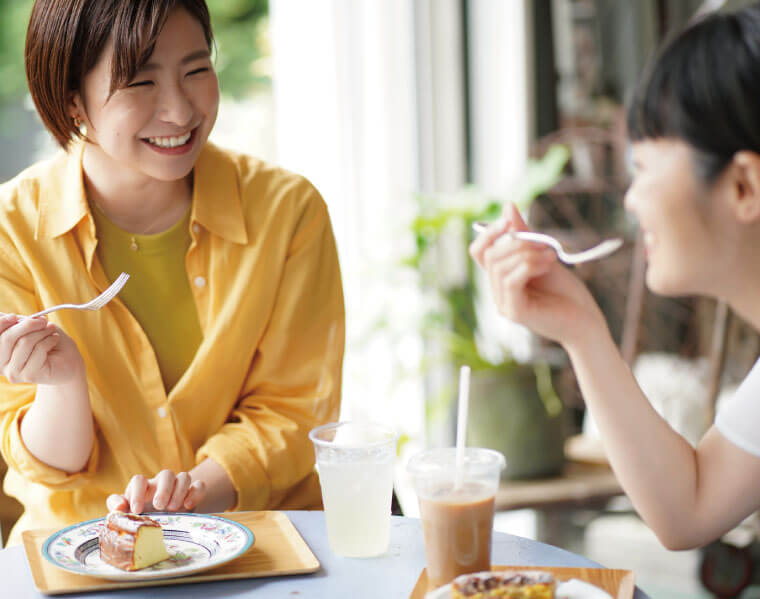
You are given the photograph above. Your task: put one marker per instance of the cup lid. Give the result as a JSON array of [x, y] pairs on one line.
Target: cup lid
[[352, 435], [437, 460]]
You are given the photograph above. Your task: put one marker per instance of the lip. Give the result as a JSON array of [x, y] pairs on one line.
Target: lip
[[178, 150]]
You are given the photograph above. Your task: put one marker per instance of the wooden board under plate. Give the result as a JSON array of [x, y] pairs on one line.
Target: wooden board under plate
[[278, 550]]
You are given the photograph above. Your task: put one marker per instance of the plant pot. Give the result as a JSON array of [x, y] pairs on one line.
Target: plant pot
[[506, 413]]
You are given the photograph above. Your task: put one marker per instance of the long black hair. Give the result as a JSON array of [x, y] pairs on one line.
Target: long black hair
[[704, 88]]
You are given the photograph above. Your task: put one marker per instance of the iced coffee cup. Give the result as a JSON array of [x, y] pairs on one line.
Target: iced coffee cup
[[456, 512]]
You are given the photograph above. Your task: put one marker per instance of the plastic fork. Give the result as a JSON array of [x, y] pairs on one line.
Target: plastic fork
[[605, 248], [95, 303]]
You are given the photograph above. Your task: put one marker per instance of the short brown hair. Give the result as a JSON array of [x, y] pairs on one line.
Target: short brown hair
[[65, 39]]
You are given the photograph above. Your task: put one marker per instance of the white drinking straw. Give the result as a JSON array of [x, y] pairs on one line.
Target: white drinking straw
[[464, 400]]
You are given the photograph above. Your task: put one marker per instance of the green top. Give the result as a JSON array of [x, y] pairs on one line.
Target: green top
[[158, 292]]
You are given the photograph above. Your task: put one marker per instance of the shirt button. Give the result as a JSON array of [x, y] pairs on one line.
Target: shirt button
[[199, 281], [162, 412], [196, 228]]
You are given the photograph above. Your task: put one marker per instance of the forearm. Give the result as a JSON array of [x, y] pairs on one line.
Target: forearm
[[656, 467], [220, 493], [58, 428]]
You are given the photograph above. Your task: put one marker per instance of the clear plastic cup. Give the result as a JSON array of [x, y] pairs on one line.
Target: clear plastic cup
[[355, 465], [456, 521]]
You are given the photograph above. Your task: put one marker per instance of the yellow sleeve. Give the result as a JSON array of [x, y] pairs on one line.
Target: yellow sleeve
[[295, 379], [17, 296]]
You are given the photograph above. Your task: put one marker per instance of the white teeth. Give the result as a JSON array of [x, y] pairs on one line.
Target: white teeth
[[170, 142]]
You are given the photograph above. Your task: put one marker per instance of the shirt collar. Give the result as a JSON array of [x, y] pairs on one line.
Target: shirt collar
[[216, 195], [63, 202]]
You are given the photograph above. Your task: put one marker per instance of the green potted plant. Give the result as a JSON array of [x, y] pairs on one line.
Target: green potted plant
[[513, 407]]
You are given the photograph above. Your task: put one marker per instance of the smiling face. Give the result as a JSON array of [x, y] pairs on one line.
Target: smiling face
[[156, 126], [679, 216]]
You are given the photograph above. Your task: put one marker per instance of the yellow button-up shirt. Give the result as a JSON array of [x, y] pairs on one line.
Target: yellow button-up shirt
[[264, 274]]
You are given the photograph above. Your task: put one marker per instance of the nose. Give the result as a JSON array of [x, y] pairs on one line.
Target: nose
[[176, 107]]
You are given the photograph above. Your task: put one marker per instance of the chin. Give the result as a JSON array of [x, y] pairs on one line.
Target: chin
[[169, 175], [665, 286], [166, 168]]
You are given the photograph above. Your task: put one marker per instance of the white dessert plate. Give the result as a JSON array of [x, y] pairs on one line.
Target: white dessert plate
[[195, 542], [569, 589]]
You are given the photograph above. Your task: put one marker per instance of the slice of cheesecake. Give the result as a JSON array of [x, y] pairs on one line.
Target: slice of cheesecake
[[131, 542]]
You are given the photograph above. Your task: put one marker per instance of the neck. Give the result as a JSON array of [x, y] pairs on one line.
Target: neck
[[746, 303], [133, 201], [740, 289]]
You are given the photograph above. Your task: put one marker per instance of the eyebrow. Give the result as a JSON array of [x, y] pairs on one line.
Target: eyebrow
[[197, 55]]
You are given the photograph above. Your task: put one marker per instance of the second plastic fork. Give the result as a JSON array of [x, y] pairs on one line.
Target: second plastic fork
[[605, 248]]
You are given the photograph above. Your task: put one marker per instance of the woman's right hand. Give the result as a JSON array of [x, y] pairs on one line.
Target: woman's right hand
[[166, 491], [33, 350], [531, 287]]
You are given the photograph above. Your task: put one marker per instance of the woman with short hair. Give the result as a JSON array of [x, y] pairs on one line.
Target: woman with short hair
[[196, 388]]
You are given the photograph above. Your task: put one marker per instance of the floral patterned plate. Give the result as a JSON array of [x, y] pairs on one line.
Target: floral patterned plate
[[195, 542]]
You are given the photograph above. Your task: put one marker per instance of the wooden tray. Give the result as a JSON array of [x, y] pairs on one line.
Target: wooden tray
[[618, 583], [278, 549]]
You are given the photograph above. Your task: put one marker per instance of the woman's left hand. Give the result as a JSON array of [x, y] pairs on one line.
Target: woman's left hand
[[165, 492]]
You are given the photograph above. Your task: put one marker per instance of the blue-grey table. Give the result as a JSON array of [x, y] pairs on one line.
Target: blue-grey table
[[391, 576]]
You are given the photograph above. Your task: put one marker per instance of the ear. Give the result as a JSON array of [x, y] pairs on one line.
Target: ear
[[745, 184], [75, 107]]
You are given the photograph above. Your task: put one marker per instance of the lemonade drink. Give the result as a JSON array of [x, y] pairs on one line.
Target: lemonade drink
[[357, 498], [355, 465]]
